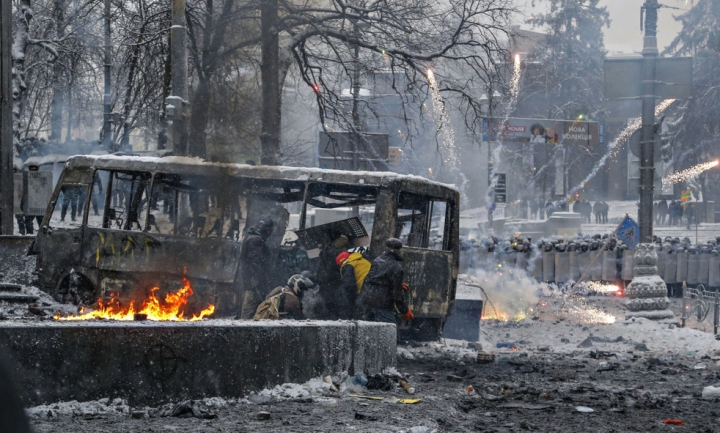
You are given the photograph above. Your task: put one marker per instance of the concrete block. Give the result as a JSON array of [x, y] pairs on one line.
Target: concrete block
[[374, 348], [153, 363]]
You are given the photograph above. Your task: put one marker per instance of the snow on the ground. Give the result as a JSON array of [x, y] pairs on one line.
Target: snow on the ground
[[546, 319], [619, 208], [103, 406]]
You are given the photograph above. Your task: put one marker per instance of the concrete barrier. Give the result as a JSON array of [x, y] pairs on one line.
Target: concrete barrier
[[153, 363]]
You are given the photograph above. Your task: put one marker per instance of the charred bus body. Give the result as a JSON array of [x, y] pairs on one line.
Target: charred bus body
[[123, 225]]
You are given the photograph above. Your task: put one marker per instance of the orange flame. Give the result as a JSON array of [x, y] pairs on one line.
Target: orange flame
[[171, 309]]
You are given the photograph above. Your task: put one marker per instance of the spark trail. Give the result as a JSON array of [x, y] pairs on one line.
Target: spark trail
[[514, 90], [447, 134], [690, 173], [616, 145]]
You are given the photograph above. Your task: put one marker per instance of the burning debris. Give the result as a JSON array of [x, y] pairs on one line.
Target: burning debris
[[172, 308]]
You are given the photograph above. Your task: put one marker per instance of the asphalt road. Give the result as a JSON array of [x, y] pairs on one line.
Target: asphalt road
[[519, 392]]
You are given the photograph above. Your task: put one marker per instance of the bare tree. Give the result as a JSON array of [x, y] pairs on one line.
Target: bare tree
[[328, 42]]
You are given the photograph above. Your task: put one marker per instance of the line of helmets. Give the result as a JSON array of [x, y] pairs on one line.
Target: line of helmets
[[584, 243]]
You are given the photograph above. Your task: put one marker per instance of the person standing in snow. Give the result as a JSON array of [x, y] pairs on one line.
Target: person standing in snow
[[383, 291], [662, 212], [689, 214]]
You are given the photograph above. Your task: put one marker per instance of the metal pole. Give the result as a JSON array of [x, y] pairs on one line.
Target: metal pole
[[269, 72], [6, 132], [179, 76], [355, 136], [107, 138], [683, 315], [647, 165], [716, 315], [697, 211]]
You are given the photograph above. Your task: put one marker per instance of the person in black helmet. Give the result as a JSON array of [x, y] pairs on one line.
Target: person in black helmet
[[254, 258], [383, 291]]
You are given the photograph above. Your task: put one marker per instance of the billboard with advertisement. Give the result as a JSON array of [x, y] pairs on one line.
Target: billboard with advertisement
[[570, 132]]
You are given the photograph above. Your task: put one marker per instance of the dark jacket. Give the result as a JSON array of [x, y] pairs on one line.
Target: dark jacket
[[382, 288], [254, 258], [290, 305]]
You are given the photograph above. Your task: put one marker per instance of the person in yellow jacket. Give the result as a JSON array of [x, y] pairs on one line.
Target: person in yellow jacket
[[353, 270]]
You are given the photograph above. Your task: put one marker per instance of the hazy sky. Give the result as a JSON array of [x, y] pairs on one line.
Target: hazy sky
[[625, 21]]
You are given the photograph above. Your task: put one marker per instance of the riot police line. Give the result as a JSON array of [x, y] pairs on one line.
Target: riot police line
[[563, 261]]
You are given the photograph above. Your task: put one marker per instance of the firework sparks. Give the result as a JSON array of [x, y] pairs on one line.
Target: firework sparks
[[690, 173], [445, 128], [616, 145]]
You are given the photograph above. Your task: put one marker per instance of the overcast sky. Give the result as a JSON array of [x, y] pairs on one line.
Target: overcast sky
[[624, 28]]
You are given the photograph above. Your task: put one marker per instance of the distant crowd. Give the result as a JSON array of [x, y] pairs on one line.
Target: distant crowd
[[540, 209], [673, 213]]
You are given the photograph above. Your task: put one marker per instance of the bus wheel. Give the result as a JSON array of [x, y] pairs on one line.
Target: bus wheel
[[77, 289]]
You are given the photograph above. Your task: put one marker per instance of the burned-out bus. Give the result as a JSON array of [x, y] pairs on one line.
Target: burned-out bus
[[122, 224]]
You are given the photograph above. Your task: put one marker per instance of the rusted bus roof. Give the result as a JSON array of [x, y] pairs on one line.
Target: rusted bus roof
[[197, 166]]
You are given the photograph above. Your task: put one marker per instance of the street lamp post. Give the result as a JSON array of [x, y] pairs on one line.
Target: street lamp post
[[647, 165], [647, 293]]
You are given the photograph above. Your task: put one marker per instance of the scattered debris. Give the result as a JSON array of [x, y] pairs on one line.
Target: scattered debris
[[586, 343], [506, 344], [527, 406], [485, 358], [262, 416], [368, 397], [710, 392], [409, 400], [365, 417], [673, 422], [192, 408], [584, 409]]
